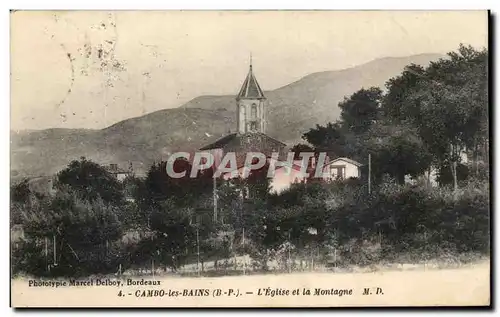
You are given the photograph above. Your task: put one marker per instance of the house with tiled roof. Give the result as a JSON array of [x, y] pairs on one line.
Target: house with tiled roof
[[118, 172]]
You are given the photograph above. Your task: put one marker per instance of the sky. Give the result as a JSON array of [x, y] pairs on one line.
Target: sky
[[91, 69]]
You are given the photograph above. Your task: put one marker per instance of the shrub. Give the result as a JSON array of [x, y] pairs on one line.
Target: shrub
[[76, 237], [90, 181], [419, 220]]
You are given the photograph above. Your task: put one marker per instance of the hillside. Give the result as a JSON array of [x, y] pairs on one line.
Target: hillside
[[141, 141], [292, 110], [312, 100]]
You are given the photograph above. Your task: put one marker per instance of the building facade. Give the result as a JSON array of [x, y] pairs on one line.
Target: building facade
[[117, 172], [342, 168]]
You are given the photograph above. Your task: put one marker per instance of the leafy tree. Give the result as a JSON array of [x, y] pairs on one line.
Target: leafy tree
[[21, 198], [346, 137], [298, 148], [258, 184], [396, 105], [445, 177], [171, 238], [82, 233], [20, 192], [397, 151], [90, 181], [447, 104], [361, 109], [330, 138], [171, 209], [182, 191], [230, 195]]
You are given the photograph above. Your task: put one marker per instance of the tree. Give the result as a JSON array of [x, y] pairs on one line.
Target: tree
[[20, 192], [299, 148], [398, 151], [90, 181], [346, 137], [183, 191], [453, 105], [396, 105], [447, 104], [330, 138], [361, 109], [82, 235], [445, 177], [230, 199], [21, 198], [258, 184]]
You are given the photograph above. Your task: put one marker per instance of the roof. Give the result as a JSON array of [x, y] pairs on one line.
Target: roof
[[253, 141], [220, 143], [344, 159], [250, 88], [241, 144]]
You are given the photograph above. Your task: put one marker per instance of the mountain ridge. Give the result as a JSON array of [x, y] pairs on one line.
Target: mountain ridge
[[292, 110]]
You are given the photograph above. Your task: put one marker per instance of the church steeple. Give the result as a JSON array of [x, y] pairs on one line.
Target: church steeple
[[250, 88], [250, 102]]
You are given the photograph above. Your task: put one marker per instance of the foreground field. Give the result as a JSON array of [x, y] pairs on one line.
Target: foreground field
[[464, 286]]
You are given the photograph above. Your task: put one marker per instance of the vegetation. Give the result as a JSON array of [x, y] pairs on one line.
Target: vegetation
[[428, 116]]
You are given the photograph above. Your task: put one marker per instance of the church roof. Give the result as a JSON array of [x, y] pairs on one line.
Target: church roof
[[250, 88], [220, 143], [241, 144], [248, 142]]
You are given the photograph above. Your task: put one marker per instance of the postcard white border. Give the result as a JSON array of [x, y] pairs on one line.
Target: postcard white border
[[211, 5]]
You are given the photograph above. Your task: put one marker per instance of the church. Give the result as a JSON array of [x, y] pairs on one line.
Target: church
[[251, 137], [251, 126]]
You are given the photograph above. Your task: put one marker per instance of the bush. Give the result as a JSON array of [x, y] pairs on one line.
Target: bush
[[393, 223], [90, 181], [415, 220], [74, 236]]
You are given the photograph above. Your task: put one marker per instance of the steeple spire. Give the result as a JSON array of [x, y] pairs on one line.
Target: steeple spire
[[250, 105], [250, 88]]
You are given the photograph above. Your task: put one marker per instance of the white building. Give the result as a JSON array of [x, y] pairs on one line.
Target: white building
[[117, 172], [342, 168]]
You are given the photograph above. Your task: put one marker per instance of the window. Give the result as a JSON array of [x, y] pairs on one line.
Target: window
[[254, 111], [253, 126], [242, 112], [337, 171]]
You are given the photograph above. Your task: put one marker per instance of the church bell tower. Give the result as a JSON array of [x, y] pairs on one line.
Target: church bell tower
[[250, 105]]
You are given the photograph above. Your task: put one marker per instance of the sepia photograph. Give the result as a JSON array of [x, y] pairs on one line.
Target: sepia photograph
[[250, 158]]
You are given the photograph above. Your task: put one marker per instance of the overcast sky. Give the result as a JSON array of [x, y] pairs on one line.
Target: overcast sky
[[92, 69]]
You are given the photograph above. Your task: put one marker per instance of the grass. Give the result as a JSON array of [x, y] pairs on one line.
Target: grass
[[437, 263]]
